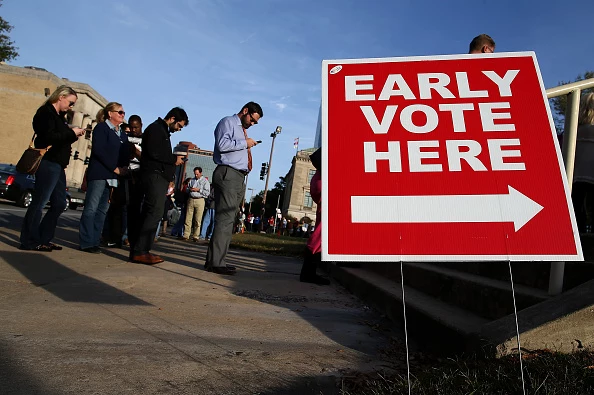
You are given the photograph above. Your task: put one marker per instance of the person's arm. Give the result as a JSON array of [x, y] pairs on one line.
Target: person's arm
[[205, 189], [45, 126], [154, 146], [224, 138]]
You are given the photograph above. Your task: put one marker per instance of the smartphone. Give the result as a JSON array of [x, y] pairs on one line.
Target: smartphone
[[259, 141]]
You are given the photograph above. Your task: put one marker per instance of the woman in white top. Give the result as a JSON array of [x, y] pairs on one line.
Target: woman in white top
[[583, 176]]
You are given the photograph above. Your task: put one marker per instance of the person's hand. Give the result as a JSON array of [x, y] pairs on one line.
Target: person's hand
[[250, 142], [117, 171], [79, 131], [179, 161]]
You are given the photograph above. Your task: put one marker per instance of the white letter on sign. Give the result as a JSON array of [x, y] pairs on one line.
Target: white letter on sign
[[403, 88], [351, 87], [503, 83], [488, 116], [383, 126], [457, 111], [439, 86], [415, 155], [497, 154], [464, 89], [407, 123], [372, 156], [455, 155]]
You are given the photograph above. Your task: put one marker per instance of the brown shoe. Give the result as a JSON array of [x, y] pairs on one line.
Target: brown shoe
[[145, 259], [156, 258]]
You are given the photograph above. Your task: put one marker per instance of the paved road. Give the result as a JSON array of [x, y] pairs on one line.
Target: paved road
[[76, 323]]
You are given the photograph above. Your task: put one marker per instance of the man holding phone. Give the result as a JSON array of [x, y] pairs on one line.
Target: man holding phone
[[234, 161], [157, 169]]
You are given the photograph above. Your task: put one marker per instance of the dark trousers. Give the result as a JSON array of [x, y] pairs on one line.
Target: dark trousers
[[50, 186], [112, 229], [582, 195], [154, 188], [228, 184], [135, 198]]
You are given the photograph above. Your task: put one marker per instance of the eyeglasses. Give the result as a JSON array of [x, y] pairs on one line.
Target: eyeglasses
[[71, 104], [121, 112], [254, 120]]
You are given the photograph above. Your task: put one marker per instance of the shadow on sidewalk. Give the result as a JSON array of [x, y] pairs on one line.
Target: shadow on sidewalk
[[65, 283]]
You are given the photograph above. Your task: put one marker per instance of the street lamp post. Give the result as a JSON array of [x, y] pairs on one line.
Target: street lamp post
[[251, 198], [273, 135]]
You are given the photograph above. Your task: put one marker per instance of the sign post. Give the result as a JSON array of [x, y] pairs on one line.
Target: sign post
[[444, 158]]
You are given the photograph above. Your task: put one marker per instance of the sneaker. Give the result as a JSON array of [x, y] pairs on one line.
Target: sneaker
[[126, 243]]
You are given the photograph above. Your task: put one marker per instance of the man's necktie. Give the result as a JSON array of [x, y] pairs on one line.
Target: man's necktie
[[249, 153]]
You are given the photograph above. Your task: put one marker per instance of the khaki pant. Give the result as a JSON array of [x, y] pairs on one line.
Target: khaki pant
[[194, 212]]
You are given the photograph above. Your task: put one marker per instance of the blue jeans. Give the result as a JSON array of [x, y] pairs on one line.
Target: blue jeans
[[208, 219], [93, 215], [50, 186]]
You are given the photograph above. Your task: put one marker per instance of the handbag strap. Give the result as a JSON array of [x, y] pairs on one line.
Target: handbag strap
[[32, 140]]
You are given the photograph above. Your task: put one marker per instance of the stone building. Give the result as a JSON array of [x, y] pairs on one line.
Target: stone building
[[299, 203], [197, 157], [22, 91]]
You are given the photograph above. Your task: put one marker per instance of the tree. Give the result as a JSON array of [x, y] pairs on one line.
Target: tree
[[7, 49], [559, 103]]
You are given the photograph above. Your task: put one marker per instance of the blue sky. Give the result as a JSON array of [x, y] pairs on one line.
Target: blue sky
[[213, 56]]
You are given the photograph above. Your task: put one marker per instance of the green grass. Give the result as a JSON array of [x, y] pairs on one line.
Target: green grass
[[545, 373], [270, 244]]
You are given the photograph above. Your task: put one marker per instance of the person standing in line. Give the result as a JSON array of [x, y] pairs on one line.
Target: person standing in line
[[133, 191], [50, 179], [313, 249], [199, 188], [208, 220], [157, 170], [110, 157], [234, 161], [181, 199], [483, 43]]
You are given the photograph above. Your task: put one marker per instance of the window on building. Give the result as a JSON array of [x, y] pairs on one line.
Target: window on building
[[310, 175], [307, 200]]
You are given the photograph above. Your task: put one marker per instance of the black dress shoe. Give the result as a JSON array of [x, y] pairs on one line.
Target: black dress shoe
[[91, 250], [222, 270], [315, 279], [43, 248], [55, 247], [24, 247]]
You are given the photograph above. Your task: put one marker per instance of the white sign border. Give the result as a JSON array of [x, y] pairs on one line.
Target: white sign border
[[440, 258]]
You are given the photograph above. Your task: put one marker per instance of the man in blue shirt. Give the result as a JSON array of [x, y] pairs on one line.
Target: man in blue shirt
[[233, 158]]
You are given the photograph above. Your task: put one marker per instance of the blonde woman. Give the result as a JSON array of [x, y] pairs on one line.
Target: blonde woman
[[583, 176], [50, 180], [109, 159]]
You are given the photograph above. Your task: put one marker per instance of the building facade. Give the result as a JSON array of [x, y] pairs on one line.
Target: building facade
[[22, 91], [297, 201], [197, 157]]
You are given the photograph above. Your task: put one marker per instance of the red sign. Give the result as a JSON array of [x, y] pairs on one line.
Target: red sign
[[442, 158]]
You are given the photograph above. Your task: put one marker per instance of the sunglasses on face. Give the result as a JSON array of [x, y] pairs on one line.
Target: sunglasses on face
[[71, 104], [121, 112]]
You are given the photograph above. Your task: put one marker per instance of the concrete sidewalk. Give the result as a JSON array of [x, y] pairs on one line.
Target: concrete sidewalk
[[78, 323]]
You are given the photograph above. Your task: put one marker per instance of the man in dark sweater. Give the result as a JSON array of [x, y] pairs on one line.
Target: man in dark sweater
[[157, 169]]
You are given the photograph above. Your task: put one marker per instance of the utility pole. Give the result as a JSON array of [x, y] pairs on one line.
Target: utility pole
[[273, 135], [251, 198]]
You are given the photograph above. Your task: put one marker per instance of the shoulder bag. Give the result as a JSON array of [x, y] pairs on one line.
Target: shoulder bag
[[31, 158]]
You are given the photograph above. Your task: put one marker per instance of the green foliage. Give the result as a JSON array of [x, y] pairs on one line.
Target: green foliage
[[7, 49], [559, 103], [269, 243]]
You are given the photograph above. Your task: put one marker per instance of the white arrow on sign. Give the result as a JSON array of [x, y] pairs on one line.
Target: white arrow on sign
[[512, 207]]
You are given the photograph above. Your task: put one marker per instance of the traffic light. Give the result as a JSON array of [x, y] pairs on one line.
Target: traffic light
[[75, 155], [263, 171], [87, 160]]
